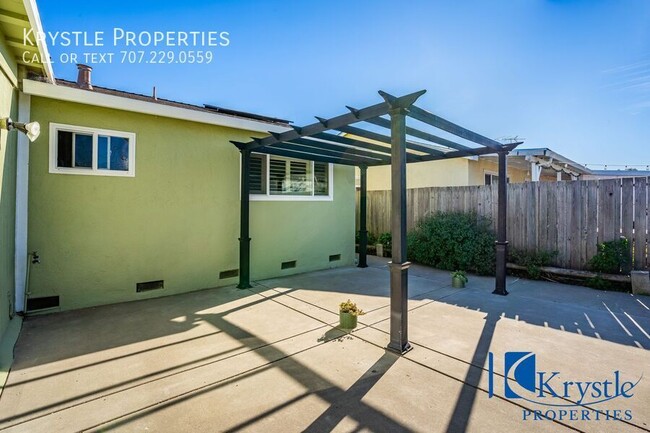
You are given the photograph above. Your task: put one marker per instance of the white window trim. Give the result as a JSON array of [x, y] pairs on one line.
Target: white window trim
[[96, 132], [493, 173], [287, 197]]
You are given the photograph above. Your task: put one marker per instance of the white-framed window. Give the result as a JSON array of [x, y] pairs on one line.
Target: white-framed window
[[91, 151], [492, 178], [278, 178]]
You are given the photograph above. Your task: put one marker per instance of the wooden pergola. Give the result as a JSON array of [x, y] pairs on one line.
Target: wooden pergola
[[360, 148]]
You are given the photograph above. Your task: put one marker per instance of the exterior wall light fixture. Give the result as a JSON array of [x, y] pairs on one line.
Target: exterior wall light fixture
[[32, 129]]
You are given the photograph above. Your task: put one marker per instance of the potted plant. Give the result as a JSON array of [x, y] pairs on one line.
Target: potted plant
[[348, 313], [458, 279]]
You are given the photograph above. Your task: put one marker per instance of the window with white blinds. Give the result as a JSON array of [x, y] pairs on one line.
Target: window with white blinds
[[277, 177], [258, 174]]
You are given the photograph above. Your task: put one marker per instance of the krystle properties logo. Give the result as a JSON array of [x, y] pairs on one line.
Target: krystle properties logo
[[562, 398]]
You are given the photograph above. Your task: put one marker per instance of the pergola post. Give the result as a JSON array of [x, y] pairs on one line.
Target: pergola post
[[244, 222], [398, 266], [363, 205], [502, 243]]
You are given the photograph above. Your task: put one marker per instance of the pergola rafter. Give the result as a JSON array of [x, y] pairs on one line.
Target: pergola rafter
[[367, 148], [380, 121]]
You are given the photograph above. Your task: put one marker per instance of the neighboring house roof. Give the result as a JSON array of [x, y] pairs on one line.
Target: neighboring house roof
[[549, 161], [127, 101], [17, 18], [546, 154], [620, 173]]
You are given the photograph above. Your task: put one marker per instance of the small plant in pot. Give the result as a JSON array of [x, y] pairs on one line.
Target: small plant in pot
[[348, 314], [458, 279]]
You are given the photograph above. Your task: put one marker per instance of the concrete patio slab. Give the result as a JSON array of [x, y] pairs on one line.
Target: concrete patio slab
[[271, 358]]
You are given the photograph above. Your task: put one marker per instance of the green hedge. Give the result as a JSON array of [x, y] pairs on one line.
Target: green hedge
[[454, 241]]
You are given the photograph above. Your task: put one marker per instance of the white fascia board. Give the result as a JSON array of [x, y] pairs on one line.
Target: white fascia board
[[63, 93], [35, 21]]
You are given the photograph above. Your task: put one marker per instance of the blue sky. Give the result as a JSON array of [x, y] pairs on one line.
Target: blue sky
[[571, 75]]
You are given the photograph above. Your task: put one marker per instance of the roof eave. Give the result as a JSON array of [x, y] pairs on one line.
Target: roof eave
[[64, 93]]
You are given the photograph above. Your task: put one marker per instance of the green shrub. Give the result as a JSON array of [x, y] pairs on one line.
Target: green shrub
[[454, 241], [532, 261], [385, 239], [372, 239], [599, 283], [613, 257]]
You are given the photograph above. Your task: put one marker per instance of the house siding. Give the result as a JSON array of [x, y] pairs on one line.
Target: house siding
[[452, 172], [177, 220], [478, 169]]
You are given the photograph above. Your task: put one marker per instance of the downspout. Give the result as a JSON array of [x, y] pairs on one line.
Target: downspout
[[22, 193]]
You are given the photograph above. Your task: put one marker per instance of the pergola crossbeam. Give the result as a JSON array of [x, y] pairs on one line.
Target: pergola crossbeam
[[440, 123], [380, 121], [385, 150], [370, 135], [325, 124], [477, 152], [309, 156], [343, 150], [293, 146]]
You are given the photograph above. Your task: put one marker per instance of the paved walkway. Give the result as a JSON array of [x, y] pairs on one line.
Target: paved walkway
[[271, 359]]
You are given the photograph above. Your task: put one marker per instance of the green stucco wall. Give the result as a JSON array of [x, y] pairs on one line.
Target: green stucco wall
[[8, 108], [176, 220]]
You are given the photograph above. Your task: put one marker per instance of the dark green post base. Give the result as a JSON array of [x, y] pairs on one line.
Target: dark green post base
[[363, 249], [398, 307], [502, 254], [244, 222], [363, 205]]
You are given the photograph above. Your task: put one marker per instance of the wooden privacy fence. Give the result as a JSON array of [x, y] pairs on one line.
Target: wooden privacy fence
[[571, 218]]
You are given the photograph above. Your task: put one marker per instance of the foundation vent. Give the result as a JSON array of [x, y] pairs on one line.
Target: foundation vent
[[288, 265], [232, 273], [335, 257], [150, 285], [42, 303]]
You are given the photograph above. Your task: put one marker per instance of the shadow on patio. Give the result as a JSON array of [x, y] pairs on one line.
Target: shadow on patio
[[271, 358]]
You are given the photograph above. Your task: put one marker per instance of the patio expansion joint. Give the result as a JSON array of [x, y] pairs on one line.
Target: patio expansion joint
[[323, 325], [408, 358], [174, 373]]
